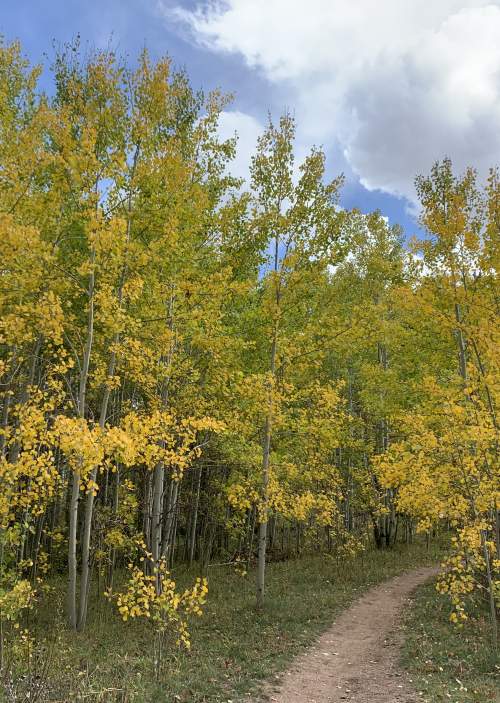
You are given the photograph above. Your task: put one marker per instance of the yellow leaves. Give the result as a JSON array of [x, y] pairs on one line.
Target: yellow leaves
[[460, 573], [160, 437], [81, 443], [26, 308], [18, 598], [50, 317], [115, 538], [108, 311], [204, 424], [145, 440], [242, 496], [121, 445], [30, 479], [283, 499], [89, 486], [154, 597], [85, 268], [239, 567], [133, 288], [108, 239], [139, 361], [445, 467], [302, 507]]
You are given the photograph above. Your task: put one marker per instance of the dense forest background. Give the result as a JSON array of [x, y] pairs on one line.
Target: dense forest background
[[199, 370]]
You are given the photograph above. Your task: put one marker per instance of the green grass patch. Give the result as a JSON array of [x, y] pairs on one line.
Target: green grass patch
[[447, 663], [234, 647]]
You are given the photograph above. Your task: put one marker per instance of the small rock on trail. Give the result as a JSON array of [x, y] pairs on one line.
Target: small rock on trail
[[356, 660]]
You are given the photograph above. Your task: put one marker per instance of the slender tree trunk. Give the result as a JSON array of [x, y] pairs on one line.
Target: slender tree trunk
[[194, 522], [169, 518], [173, 541], [89, 510], [75, 489], [36, 543], [147, 513], [72, 560], [156, 514], [5, 419], [112, 556], [262, 544]]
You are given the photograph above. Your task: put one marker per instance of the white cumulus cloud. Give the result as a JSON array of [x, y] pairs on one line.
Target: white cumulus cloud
[[399, 83]]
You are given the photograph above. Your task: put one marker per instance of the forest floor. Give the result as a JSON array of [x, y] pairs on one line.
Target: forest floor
[[237, 650], [447, 663], [357, 659]]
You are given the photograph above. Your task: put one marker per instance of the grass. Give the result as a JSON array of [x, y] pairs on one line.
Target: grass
[[234, 647], [447, 663]]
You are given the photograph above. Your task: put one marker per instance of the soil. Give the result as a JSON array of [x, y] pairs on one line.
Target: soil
[[356, 660]]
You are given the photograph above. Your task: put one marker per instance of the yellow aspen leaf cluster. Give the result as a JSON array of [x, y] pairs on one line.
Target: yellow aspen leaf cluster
[[164, 606]]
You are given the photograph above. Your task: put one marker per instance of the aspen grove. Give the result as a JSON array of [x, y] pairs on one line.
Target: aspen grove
[[197, 370]]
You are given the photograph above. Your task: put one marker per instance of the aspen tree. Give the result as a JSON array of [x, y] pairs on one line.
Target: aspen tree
[[298, 222], [451, 439]]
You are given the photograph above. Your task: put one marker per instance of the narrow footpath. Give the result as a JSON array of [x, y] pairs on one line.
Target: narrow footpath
[[356, 660]]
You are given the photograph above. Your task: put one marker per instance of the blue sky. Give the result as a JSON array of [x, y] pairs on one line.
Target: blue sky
[[386, 88]]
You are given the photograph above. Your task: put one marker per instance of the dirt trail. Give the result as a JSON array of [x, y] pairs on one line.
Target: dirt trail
[[357, 658]]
